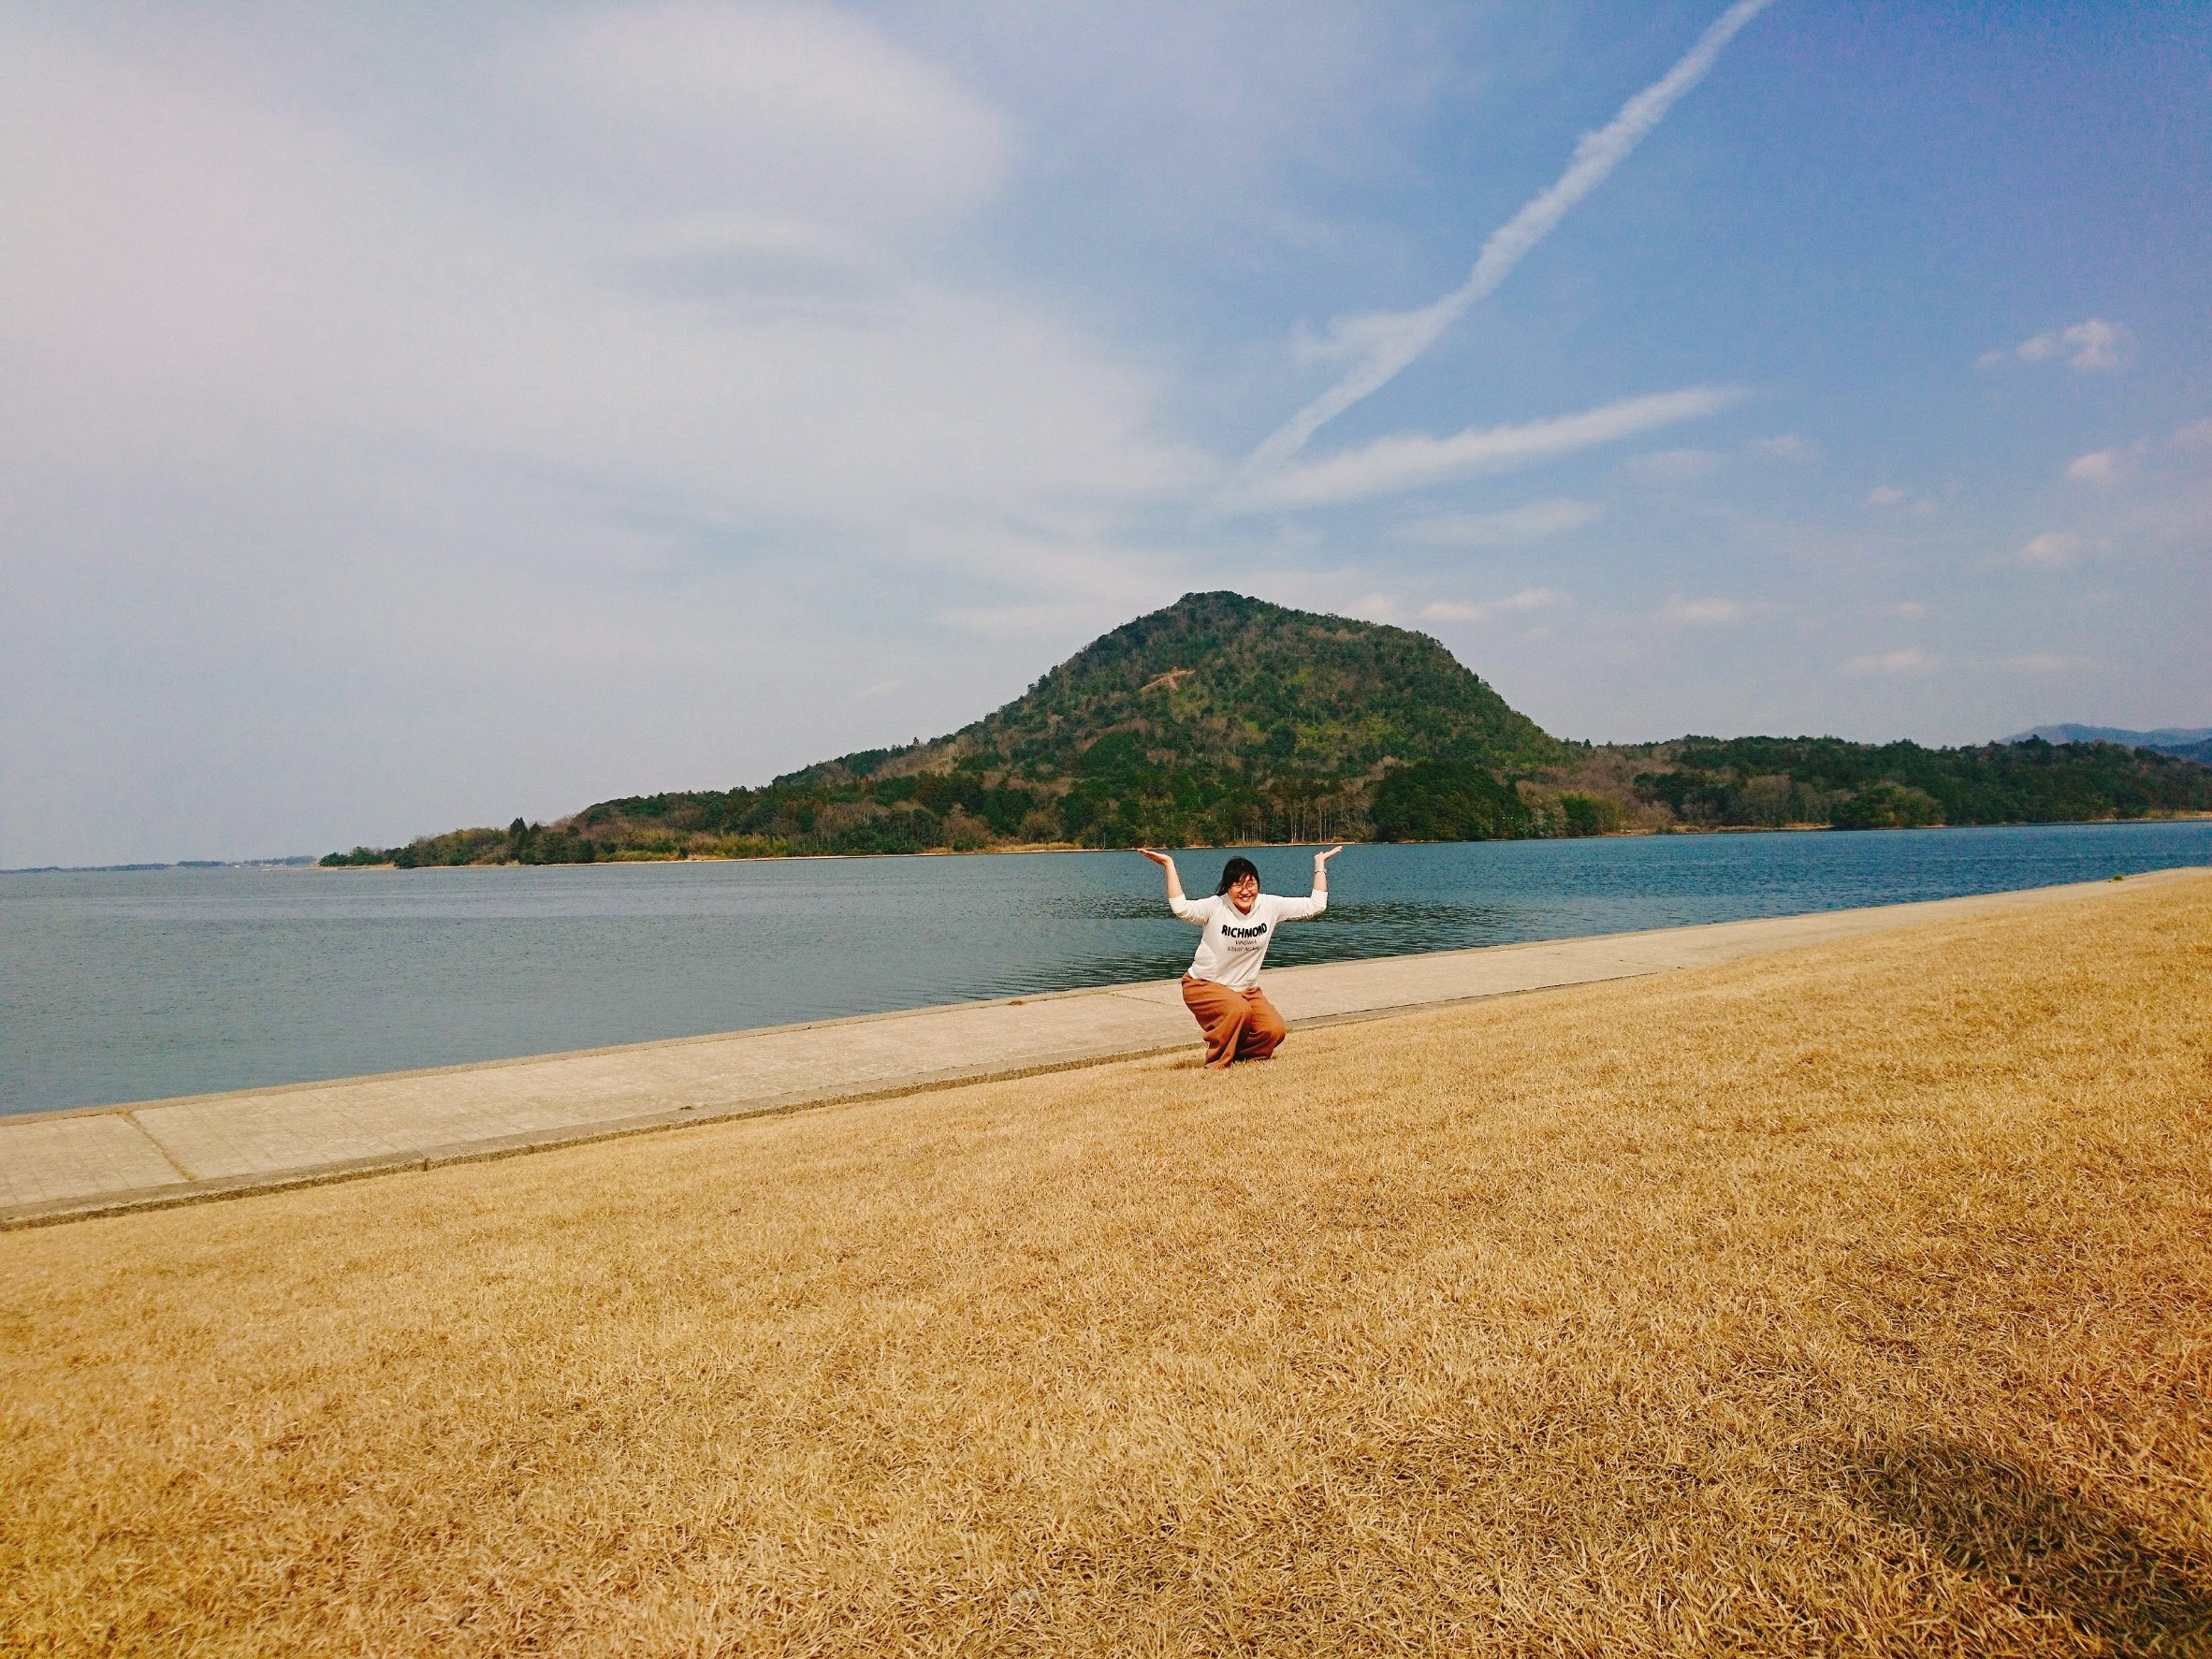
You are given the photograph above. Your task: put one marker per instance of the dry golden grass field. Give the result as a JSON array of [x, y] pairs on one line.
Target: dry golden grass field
[[1855, 1300]]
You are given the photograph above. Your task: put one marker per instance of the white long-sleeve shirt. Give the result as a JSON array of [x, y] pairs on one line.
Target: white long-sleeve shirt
[[1235, 941]]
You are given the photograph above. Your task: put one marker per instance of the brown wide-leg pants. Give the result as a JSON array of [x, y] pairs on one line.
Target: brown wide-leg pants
[[1239, 1024]]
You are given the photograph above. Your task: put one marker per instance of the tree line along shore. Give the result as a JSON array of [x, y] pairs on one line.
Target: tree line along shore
[[1226, 720], [1694, 785]]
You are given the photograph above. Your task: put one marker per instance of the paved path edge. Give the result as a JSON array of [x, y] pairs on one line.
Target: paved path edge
[[176, 1195], [469, 1152]]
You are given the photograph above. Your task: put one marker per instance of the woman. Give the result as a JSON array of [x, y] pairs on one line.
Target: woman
[[1222, 988]]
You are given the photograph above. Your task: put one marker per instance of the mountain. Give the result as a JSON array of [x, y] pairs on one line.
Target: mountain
[[1218, 719], [2192, 743], [1224, 720], [1217, 682]]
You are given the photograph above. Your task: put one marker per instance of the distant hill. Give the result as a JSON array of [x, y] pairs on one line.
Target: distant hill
[[2192, 743], [1220, 717], [1773, 781], [1225, 719], [1217, 681]]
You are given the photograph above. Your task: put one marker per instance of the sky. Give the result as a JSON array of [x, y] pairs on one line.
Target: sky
[[417, 416]]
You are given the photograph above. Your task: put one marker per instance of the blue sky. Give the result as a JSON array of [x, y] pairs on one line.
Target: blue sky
[[410, 419]]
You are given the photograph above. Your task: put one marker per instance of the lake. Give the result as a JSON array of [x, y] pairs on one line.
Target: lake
[[138, 985]]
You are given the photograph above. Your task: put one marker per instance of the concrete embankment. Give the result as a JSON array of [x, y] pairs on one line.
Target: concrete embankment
[[55, 1166]]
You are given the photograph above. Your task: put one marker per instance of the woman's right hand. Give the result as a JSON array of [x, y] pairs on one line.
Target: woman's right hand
[[1167, 866]]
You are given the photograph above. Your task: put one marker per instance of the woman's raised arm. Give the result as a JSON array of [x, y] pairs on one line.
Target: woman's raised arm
[[1167, 864], [1321, 869]]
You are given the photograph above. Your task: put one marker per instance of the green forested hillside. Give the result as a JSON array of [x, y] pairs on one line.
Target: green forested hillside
[[1223, 719], [1218, 719], [1778, 781]]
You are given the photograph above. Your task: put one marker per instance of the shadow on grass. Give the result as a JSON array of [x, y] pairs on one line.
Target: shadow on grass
[[2046, 1554]]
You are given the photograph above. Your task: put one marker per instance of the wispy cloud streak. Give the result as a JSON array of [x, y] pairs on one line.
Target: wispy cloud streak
[[1413, 461], [1388, 341], [1529, 523], [1528, 599]]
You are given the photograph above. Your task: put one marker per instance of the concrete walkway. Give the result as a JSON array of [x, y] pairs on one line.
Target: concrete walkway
[[63, 1164]]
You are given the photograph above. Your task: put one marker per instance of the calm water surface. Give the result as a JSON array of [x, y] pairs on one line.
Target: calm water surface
[[133, 985]]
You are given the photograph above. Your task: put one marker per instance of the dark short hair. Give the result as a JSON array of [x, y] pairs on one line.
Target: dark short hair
[[1235, 870]]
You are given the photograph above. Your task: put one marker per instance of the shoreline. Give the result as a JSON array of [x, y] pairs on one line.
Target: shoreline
[[309, 863], [81, 1162], [1619, 834]]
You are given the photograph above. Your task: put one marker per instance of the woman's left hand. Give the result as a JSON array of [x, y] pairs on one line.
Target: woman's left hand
[[1322, 858]]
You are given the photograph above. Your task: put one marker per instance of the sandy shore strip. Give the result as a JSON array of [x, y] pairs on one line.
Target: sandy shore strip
[[55, 1166]]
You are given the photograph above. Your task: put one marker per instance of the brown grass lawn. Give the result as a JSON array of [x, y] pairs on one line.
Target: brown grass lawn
[[1855, 1301]]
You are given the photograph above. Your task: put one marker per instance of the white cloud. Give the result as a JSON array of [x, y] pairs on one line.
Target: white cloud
[[1528, 599], [1386, 343], [2097, 344], [1674, 466], [2054, 550], [1912, 609], [2041, 662], [791, 110], [1783, 446], [1536, 521], [1889, 498], [1704, 612], [2088, 345], [1412, 461], [1376, 607], [253, 351], [1907, 662], [2197, 434], [2100, 467], [211, 266]]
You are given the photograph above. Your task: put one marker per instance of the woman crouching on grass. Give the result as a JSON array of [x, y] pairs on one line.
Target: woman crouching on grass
[[1222, 988]]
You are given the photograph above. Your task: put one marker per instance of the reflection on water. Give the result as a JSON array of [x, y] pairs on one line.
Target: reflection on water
[[138, 985], [1373, 927], [1107, 905], [1399, 927]]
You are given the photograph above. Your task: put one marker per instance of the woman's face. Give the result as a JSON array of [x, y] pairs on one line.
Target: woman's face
[[1243, 891]]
